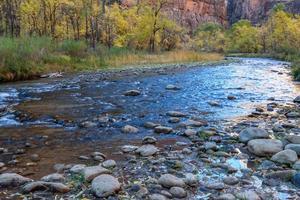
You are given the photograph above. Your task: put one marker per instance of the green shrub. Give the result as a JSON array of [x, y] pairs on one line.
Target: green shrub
[[73, 48]]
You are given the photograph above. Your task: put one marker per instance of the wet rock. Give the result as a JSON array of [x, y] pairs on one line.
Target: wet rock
[[142, 193], [88, 124], [293, 115], [265, 147], [157, 197], [214, 103], [76, 169], [53, 178], [285, 157], [163, 129], [191, 179], [285, 175], [297, 99], [278, 128], [169, 180], [190, 132], [91, 172], [2, 164], [295, 139], [105, 185], [176, 114], [129, 148], [12, 179], [248, 195], [147, 150], [215, 186], [130, 129], [150, 125], [231, 180], [34, 157], [296, 166], [267, 165], [174, 120], [83, 157], [41, 185], [296, 180], [226, 197], [187, 151], [252, 133], [172, 87], [231, 97], [98, 154], [294, 147], [210, 145], [178, 192], [109, 164], [195, 123], [59, 167], [149, 140], [132, 93]]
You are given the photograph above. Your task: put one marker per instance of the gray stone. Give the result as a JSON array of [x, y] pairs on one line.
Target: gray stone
[[215, 186], [191, 179], [172, 87], [12, 179], [129, 148], [147, 150], [149, 140], [190, 132], [41, 185], [109, 164], [285, 175], [248, 195], [252, 133], [226, 197], [176, 114], [195, 123], [231, 180], [297, 99], [210, 145], [214, 103], [130, 129], [91, 172], [132, 93], [296, 166], [53, 178], [150, 125], [295, 139], [163, 129], [178, 192], [76, 169], [293, 115], [265, 147], [294, 147], [105, 185], [169, 180], [174, 120], [285, 157], [157, 197]]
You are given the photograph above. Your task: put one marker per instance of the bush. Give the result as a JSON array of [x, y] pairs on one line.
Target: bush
[[73, 48], [296, 70]]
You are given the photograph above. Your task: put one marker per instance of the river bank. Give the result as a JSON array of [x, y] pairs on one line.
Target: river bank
[[191, 124]]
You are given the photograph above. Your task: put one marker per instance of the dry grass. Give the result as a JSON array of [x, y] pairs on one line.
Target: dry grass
[[182, 56]]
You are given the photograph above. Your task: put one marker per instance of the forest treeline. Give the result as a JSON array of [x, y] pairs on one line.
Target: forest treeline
[[39, 36]]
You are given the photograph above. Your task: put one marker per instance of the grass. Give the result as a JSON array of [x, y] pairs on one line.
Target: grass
[[27, 58]]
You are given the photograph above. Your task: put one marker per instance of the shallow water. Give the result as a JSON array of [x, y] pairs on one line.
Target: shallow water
[[56, 107]]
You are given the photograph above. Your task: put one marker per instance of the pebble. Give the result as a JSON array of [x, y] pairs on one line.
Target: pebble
[[157, 197], [248, 195], [163, 129], [176, 114], [149, 140], [76, 169], [147, 150], [109, 164]]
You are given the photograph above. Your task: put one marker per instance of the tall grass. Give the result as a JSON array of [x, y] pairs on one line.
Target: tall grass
[[26, 58]]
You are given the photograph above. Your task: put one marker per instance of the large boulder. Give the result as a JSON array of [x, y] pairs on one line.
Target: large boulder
[[169, 180], [105, 185], [147, 150], [294, 147], [252, 133], [265, 147], [285, 157], [91, 172], [12, 179], [297, 99]]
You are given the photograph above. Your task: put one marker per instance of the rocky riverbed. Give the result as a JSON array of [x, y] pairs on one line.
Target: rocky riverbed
[[227, 131]]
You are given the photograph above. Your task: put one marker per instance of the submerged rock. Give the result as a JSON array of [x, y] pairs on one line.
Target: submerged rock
[[149, 140], [169, 180], [176, 114], [172, 87], [129, 148], [105, 186], [157, 197], [132, 93], [265, 147], [296, 180], [252, 133], [130, 129], [285, 157]]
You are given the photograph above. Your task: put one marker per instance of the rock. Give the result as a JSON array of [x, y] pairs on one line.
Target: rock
[[210, 145], [215, 186], [178, 192], [294, 147], [295, 139], [109, 164], [163, 129], [296, 166], [284, 175], [132, 93], [248, 195], [195, 123], [150, 125], [265, 147], [174, 120], [2, 164], [230, 97], [130, 129], [267, 165], [297, 99], [191, 179], [98, 154], [105, 185], [285, 157], [190, 132], [76, 169], [34, 157], [172, 87], [12, 179], [88, 124], [252, 133], [231, 180], [169, 180], [41, 185], [226, 197], [176, 114], [296, 180], [293, 115], [53, 178], [214, 103], [149, 140], [91, 172], [129, 148], [83, 157], [147, 150], [187, 151], [157, 197]]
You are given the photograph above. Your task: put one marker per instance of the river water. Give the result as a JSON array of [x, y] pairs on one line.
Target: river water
[[54, 109]]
